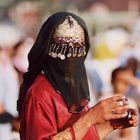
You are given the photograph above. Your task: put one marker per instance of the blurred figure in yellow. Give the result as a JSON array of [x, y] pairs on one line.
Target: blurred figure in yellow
[[110, 43]]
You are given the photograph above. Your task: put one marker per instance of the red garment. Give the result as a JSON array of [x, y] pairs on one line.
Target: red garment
[[45, 113]]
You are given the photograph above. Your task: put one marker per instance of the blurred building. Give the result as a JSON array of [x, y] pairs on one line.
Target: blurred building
[[114, 5], [123, 5]]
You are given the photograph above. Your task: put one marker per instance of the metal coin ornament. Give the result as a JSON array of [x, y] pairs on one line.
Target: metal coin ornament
[[69, 53], [62, 57], [75, 52], [55, 53], [51, 48], [60, 53], [79, 52]]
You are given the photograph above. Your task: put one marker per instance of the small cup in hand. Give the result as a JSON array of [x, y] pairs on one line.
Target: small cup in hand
[[123, 122]]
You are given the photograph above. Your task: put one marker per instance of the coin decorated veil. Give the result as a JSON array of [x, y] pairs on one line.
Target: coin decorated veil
[[68, 40]]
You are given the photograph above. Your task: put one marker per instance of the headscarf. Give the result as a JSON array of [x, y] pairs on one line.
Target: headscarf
[[57, 71]]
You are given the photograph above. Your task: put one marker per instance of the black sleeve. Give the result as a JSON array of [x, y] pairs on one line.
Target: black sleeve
[[6, 117]]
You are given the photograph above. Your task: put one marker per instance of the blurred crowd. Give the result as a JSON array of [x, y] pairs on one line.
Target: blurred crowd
[[113, 63]]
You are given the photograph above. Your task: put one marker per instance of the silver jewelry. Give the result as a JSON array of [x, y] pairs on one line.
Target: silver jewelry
[[60, 53], [75, 52], [63, 53], [53, 49], [70, 52], [55, 52], [120, 103], [50, 49], [79, 52], [70, 45]]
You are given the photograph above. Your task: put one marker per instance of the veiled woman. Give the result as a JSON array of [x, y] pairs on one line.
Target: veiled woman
[[53, 101]]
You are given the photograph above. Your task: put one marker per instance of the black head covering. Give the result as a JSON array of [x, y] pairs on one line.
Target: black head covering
[[66, 76]]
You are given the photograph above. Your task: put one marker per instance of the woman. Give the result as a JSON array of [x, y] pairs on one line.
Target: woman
[[54, 94]]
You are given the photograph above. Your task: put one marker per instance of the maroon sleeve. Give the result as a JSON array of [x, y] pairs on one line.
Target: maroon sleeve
[[92, 134], [40, 119]]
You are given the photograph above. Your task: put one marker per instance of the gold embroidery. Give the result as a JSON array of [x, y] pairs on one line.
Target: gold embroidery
[[64, 135], [71, 29]]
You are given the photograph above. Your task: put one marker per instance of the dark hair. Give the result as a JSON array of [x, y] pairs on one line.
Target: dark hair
[[116, 71]]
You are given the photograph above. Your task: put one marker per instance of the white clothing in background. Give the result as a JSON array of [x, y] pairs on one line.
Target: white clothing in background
[[9, 88]]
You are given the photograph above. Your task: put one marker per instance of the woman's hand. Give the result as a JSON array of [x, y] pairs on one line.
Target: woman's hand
[[100, 116], [134, 117], [111, 108], [130, 120]]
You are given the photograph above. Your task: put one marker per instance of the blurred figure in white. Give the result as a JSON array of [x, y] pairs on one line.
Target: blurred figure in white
[[9, 84], [94, 80], [20, 63], [20, 60], [27, 16]]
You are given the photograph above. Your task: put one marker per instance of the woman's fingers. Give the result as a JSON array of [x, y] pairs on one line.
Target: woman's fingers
[[119, 114], [119, 103], [112, 108], [115, 115], [134, 117], [118, 97], [116, 107]]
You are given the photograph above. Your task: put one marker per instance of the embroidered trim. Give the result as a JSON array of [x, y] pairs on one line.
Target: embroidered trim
[[70, 28], [65, 135], [66, 47]]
